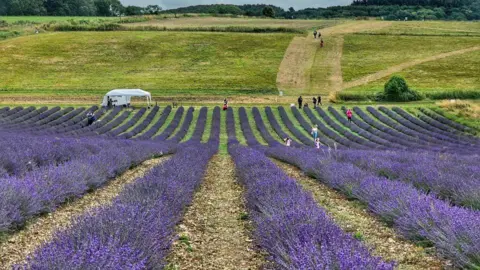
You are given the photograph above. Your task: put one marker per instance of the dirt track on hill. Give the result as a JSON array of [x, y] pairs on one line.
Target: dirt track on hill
[[394, 69], [301, 66]]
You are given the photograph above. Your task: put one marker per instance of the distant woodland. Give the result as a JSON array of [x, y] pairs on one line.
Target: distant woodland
[[387, 9]]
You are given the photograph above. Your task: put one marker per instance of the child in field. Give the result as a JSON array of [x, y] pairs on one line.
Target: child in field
[[315, 132], [321, 43], [349, 115], [317, 143]]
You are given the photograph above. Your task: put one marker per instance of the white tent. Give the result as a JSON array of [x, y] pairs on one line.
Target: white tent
[[121, 97]]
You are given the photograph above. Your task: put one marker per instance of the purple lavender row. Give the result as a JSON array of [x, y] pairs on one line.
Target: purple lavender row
[[349, 139], [156, 127], [428, 128], [368, 135], [442, 119], [26, 117], [412, 129], [42, 190], [182, 131], [459, 183], [129, 124], [177, 118], [246, 128], [200, 125], [262, 128], [379, 131], [18, 114], [290, 126], [289, 225], [137, 230], [278, 129], [455, 231], [142, 126], [32, 121], [22, 153]]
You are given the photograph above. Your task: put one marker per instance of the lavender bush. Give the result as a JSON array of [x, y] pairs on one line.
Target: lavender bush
[[288, 223]]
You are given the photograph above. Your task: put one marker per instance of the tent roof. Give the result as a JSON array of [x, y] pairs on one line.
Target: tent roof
[[129, 93]]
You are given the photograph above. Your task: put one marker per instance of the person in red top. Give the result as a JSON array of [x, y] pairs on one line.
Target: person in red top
[[349, 115]]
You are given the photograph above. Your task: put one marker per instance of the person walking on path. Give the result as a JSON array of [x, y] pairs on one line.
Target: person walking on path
[[315, 34], [300, 101], [319, 35], [314, 100], [321, 43], [319, 101], [317, 143], [315, 132], [349, 115], [225, 104]]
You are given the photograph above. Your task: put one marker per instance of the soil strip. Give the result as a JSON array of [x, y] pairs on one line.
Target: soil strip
[[215, 233]]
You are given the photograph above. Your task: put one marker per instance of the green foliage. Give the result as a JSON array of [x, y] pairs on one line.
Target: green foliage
[[268, 12], [396, 89], [458, 94], [358, 236]]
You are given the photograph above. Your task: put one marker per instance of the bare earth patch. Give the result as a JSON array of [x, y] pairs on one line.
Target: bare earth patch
[[353, 218], [294, 72], [394, 69], [41, 230], [213, 234]]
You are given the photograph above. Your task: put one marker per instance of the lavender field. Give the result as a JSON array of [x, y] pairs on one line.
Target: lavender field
[[416, 176]]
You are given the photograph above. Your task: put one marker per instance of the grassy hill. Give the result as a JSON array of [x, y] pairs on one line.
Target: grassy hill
[[180, 63]]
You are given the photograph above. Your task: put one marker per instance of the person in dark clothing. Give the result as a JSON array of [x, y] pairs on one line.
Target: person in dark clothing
[[314, 102], [91, 118], [315, 34], [300, 101], [319, 101], [225, 104], [109, 102], [321, 43], [319, 35]]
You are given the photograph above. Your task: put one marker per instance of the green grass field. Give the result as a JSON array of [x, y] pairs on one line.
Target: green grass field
[[450, 74], [431, 28], [364, 54], [178, 63]]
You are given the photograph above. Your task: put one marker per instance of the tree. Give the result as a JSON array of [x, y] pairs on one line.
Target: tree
[[268, 11], [109, 7], [133, 11], [153, 9], [291, 9], [396, 89]]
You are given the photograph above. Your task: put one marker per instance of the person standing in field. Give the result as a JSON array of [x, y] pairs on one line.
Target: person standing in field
[[225, 104], [315, 34], [319, 101], [300, 101], [314, 100], [315, 132], [349, 115], [319, 35], [317, 143], [287, 141]]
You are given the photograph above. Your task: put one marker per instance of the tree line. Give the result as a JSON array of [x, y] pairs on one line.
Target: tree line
[[72, 8], [387, 9]]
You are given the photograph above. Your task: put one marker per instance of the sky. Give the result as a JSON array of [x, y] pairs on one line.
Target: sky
[[297, 4]]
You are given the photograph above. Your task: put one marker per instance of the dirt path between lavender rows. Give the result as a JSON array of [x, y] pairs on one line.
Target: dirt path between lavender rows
[[213, 234], [353, 218], [394, 69], [41, 230]]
